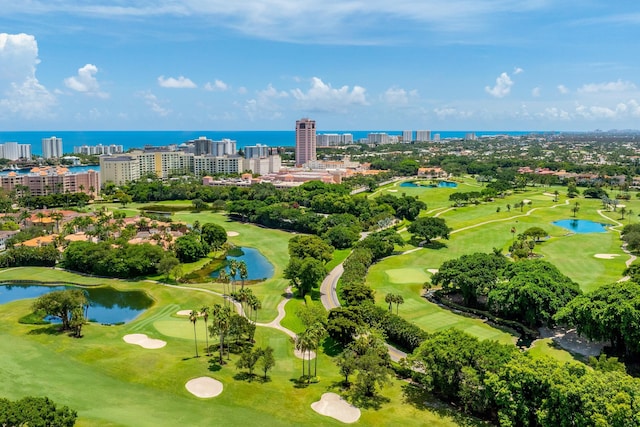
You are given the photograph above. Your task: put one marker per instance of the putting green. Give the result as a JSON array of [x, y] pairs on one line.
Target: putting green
[[407, 275], [178, 329]]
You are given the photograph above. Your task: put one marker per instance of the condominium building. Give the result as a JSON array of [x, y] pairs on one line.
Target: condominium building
[[256, 151], [333, 139], [52, 148], [423, 136], [49, 180], [204, 146], [305, 141], [407, 136], [15, 151], [378, 138], [98, 150]]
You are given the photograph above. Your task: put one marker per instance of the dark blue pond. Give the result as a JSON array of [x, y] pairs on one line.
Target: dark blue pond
[[106, 305], [581, 225], [441, 184], [258, 267]]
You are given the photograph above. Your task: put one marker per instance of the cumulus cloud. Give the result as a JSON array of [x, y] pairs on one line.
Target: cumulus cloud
[[216, 86], [21, 94], [179, 83], [517, 71], [617, 86], [85, 81], [451, 112], [322, 96], [396, 96], [563, 89], [535, 92], [502, 86], [265, 105], [155, 104]]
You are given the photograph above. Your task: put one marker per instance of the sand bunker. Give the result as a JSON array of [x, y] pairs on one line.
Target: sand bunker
[[232, 233], [204, 387], [144, 341], [392, 191], [432, 270], [184, 313], [334, 406], [306, 355], [606, 256]]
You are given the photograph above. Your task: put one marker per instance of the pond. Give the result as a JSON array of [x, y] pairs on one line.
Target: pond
[[581, 225], [441, 184], [106, 304], [258, 267]]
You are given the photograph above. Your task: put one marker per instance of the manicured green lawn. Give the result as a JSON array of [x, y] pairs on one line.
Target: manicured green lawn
[[112, 383]]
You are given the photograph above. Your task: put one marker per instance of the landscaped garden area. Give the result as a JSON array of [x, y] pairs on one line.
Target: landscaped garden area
[[138, 372]]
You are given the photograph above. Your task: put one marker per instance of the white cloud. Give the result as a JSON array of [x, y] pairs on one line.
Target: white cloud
[[21, 94], [563, 89], [155, 104], [502, 87], [265, 105], [86, 81], [179, 83], [242, 90], [451, 112], [322, 97], [517, 71], [535, 92], [216, 86], [617, 86], [396, 96], [555, 113]]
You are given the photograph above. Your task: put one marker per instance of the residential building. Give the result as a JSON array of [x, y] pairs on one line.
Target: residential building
[[305, 141], [52, 148], [333, 139], [49, 180], [423, 136], [15, 151], [98, 150], [256, 151], [378, 138], [407, 136]]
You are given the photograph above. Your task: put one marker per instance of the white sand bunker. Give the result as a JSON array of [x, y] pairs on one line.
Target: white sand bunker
[[307, 354], [392, 191], [204, 387], [334, 406], [144, 341], [232, 233], [606, 256], [432, 270], [184, 313]]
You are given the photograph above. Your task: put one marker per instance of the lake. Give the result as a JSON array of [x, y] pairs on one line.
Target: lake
[[106, 304], [581, 225], [258, 267]]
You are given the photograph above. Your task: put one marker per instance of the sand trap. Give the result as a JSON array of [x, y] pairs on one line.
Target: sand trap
[[334, 406], [306, 356], [621, 206], [184, 313], [144, 341], [432, 270], [526, 201], [204, 387], [392, 191], [232, 233], [606, 256]]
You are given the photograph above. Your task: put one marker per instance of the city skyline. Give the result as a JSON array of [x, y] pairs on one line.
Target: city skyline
[[160, 65]]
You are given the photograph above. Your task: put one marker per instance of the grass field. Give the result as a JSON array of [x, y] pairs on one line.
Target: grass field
[[111, 383]]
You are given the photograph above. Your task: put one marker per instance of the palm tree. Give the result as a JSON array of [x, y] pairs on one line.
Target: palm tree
[[193, 318], [242, 269], [233, 270], [57, 217], [221, 316], [317, 332], [389, 299], [204, 311], [576, 208], [555, 196], [303, 344], [398, 300], [223, 277]]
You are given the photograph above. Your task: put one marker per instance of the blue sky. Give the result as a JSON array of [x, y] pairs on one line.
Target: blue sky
[[349, 64]]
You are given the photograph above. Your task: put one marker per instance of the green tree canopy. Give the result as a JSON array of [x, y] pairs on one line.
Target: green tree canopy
[[214, 235], [428, 228]]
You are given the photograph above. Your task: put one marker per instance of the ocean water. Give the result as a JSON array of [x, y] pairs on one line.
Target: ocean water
[[138, 139]]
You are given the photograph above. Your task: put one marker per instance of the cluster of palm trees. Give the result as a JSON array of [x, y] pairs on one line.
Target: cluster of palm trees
[[308, 342], [396, 299], [221, 316], [230, 277]]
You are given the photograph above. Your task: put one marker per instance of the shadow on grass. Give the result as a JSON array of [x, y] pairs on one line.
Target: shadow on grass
[[421, 399], [331, 348], [214, 365], [374, 402], [49, 330]]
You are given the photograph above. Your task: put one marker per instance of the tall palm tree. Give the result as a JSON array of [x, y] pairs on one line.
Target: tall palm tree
[[242, 269], [233, 270], [398, 300], [389, 299], [316, 332], [303, 345], [224, 278], [221, 316], [204, 311], [193, 318], [57, 217]]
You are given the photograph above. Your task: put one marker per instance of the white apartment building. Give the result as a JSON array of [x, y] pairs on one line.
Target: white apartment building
[[15, 151], [256, 151], [52, 148], [378, 138], [98, 150], [423, 136], [333, 139], [407, 136]]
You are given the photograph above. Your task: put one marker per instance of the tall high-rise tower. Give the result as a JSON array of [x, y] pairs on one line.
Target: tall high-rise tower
[[305, 141], [51, 147]]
